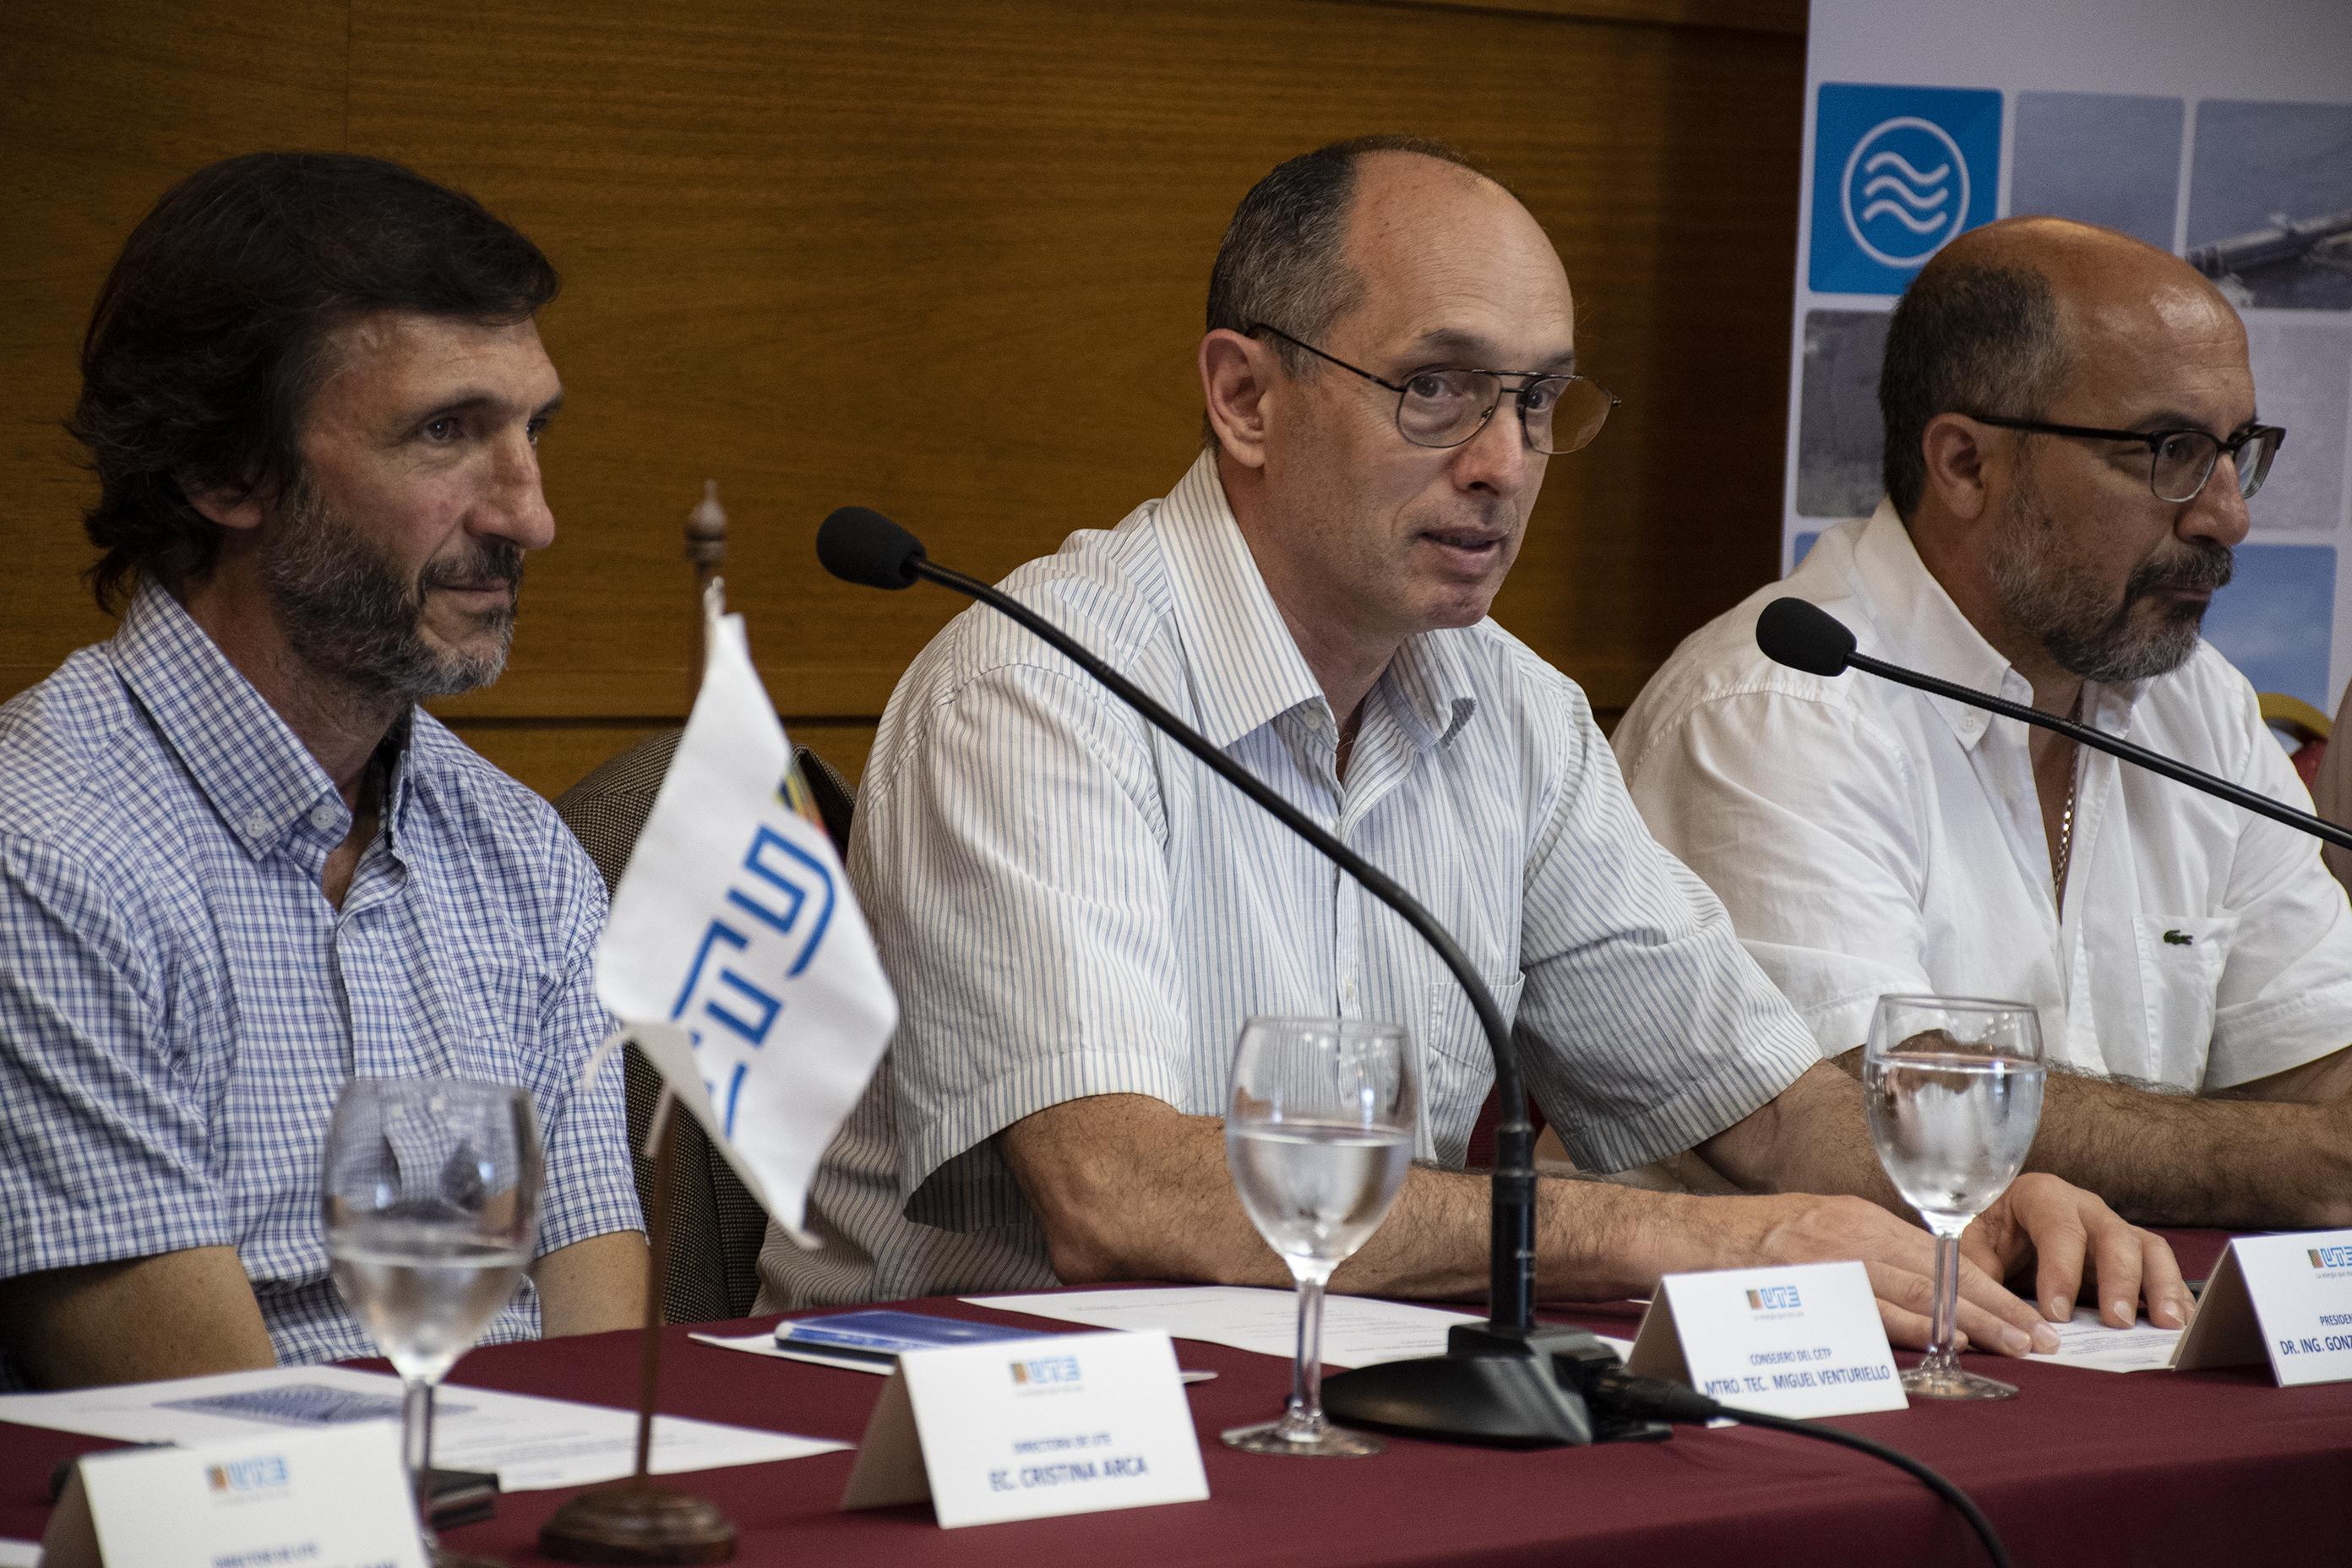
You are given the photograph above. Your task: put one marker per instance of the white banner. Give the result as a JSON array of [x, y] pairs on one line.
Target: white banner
[[2224, 135]]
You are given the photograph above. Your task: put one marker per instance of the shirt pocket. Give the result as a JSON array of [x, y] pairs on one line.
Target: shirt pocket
[[1457, 1066], [2180, 962]]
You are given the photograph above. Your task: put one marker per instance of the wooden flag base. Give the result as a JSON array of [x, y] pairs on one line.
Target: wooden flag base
[[635, 1520], [631, 1521]]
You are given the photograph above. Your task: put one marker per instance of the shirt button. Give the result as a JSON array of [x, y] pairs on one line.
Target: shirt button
[[256, 825], [323, 817]]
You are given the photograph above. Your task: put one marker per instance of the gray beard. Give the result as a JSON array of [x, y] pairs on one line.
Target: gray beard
[[2075, 626], [347, 614]]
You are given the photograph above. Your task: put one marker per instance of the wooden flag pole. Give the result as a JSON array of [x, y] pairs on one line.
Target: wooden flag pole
[[635, 1520]]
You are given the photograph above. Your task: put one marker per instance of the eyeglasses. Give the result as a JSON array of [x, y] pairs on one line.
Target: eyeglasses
[[1446, 407], [2179, 461]]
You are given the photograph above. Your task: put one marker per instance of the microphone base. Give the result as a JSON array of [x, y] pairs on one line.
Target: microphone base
[[1493, 1385]]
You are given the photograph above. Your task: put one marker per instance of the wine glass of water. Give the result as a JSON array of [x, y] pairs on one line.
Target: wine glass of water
[[1954, 1090], [1319, 1131], [432, 1208]]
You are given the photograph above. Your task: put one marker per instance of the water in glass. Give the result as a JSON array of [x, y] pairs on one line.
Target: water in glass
[[1319, 1134], [1953, 1088]]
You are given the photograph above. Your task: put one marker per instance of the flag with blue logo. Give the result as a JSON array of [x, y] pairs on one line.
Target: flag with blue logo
[[735, 955]]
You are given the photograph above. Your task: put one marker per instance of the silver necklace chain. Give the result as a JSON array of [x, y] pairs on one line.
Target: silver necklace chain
[[2066, 819]]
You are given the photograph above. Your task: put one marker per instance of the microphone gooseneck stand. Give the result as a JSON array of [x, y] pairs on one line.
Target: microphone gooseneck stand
[[1802, 635]]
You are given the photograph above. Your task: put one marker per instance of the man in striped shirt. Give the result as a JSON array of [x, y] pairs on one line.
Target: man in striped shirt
[[238, 865], [1077, 918]]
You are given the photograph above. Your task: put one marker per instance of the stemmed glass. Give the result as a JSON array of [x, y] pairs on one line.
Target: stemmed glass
[[1954, 1090], [432, 1207], [1319, 1131]]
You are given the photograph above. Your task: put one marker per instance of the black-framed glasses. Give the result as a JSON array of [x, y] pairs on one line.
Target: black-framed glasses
[[2179, 461], [1447, 407]]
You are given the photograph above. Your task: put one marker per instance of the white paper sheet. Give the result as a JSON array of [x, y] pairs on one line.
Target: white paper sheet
[[533, 1443], [1357, 1330], [20, 1553], [2087, 1342]]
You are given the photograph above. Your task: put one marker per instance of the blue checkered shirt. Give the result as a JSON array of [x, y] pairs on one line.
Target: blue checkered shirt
[[179, 1004]]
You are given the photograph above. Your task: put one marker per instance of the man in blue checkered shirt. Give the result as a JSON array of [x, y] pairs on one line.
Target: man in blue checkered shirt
[[238, 865]]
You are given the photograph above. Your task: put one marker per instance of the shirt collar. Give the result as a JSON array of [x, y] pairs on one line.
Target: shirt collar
[[1917, 625], [1229, 621], [1228, 618], [241, 755]]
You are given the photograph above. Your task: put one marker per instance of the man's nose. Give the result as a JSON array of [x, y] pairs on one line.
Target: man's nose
[[514, 505], [1497, 458], [2218, 512]]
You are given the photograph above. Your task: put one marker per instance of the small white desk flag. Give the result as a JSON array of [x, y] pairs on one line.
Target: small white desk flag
[[735, 955]]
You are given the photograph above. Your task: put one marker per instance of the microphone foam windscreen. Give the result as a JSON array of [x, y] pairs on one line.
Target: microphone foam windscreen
[[858, 545], [1804, 636]]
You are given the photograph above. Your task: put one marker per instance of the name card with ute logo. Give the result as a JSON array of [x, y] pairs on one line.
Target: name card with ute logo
[[334, 1498], [1801, 1341], [2286, 1299], [1031, 1428]]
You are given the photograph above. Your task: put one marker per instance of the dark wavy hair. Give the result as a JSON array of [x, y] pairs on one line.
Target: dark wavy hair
[[206, 344]]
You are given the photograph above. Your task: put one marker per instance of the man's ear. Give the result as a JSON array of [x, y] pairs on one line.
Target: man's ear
[[231, 506], [1953, 446], [1234, 375]]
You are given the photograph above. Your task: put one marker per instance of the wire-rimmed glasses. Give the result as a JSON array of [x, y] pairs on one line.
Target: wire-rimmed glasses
[[2179, 461], [1445, 408]]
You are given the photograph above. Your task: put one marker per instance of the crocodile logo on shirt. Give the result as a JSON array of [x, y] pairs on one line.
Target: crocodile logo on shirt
[[2179, 939]]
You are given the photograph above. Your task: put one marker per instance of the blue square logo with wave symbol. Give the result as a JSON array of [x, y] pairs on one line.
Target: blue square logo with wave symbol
[[1897, 173]]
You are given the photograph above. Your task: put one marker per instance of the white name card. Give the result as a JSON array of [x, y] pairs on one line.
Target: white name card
[[1802, 1341], [1030, 1429], [333, 1498], [2286, 1298]]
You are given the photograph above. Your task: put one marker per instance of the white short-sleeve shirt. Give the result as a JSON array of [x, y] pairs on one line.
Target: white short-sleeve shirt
[[1870, 839], [1068, 904]]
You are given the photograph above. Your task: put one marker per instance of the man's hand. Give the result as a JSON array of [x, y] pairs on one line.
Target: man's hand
[[2062, 1229], [1899, 1257]]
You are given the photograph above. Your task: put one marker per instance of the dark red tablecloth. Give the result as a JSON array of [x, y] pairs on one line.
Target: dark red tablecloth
[[2081, 1468]]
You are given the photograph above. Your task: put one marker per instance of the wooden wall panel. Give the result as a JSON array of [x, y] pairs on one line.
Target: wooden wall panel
[[103, 105], [948, 261]]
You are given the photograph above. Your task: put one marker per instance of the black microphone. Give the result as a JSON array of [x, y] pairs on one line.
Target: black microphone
[[861, 546], [1493, 1383], [1805, 636]]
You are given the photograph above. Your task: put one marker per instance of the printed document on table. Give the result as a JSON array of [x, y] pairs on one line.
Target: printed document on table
[[2086, 1341], [765, 1344], [533, 1443], [1357, 1330]]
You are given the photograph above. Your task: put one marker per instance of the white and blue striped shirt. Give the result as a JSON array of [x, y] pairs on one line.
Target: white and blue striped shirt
[[180, 1004], [1069, 905]]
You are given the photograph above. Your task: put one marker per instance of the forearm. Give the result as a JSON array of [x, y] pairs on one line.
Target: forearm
[[1812, 1137], [592, 1286], [1129, 1189], [2180, 1159], [176, 1314]]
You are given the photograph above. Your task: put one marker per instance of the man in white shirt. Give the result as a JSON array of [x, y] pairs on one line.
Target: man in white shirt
[[2071, 435], [1077, 918]]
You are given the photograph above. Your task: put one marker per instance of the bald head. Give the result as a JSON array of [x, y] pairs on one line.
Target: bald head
[[1285, 261], [2007, 317]]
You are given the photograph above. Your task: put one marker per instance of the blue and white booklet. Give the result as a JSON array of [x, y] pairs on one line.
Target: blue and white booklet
[[882, 1335]]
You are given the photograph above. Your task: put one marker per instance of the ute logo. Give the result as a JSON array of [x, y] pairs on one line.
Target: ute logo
[[245, 1475], [2331, 1257], [1044, 1369], [1774, 1298]]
